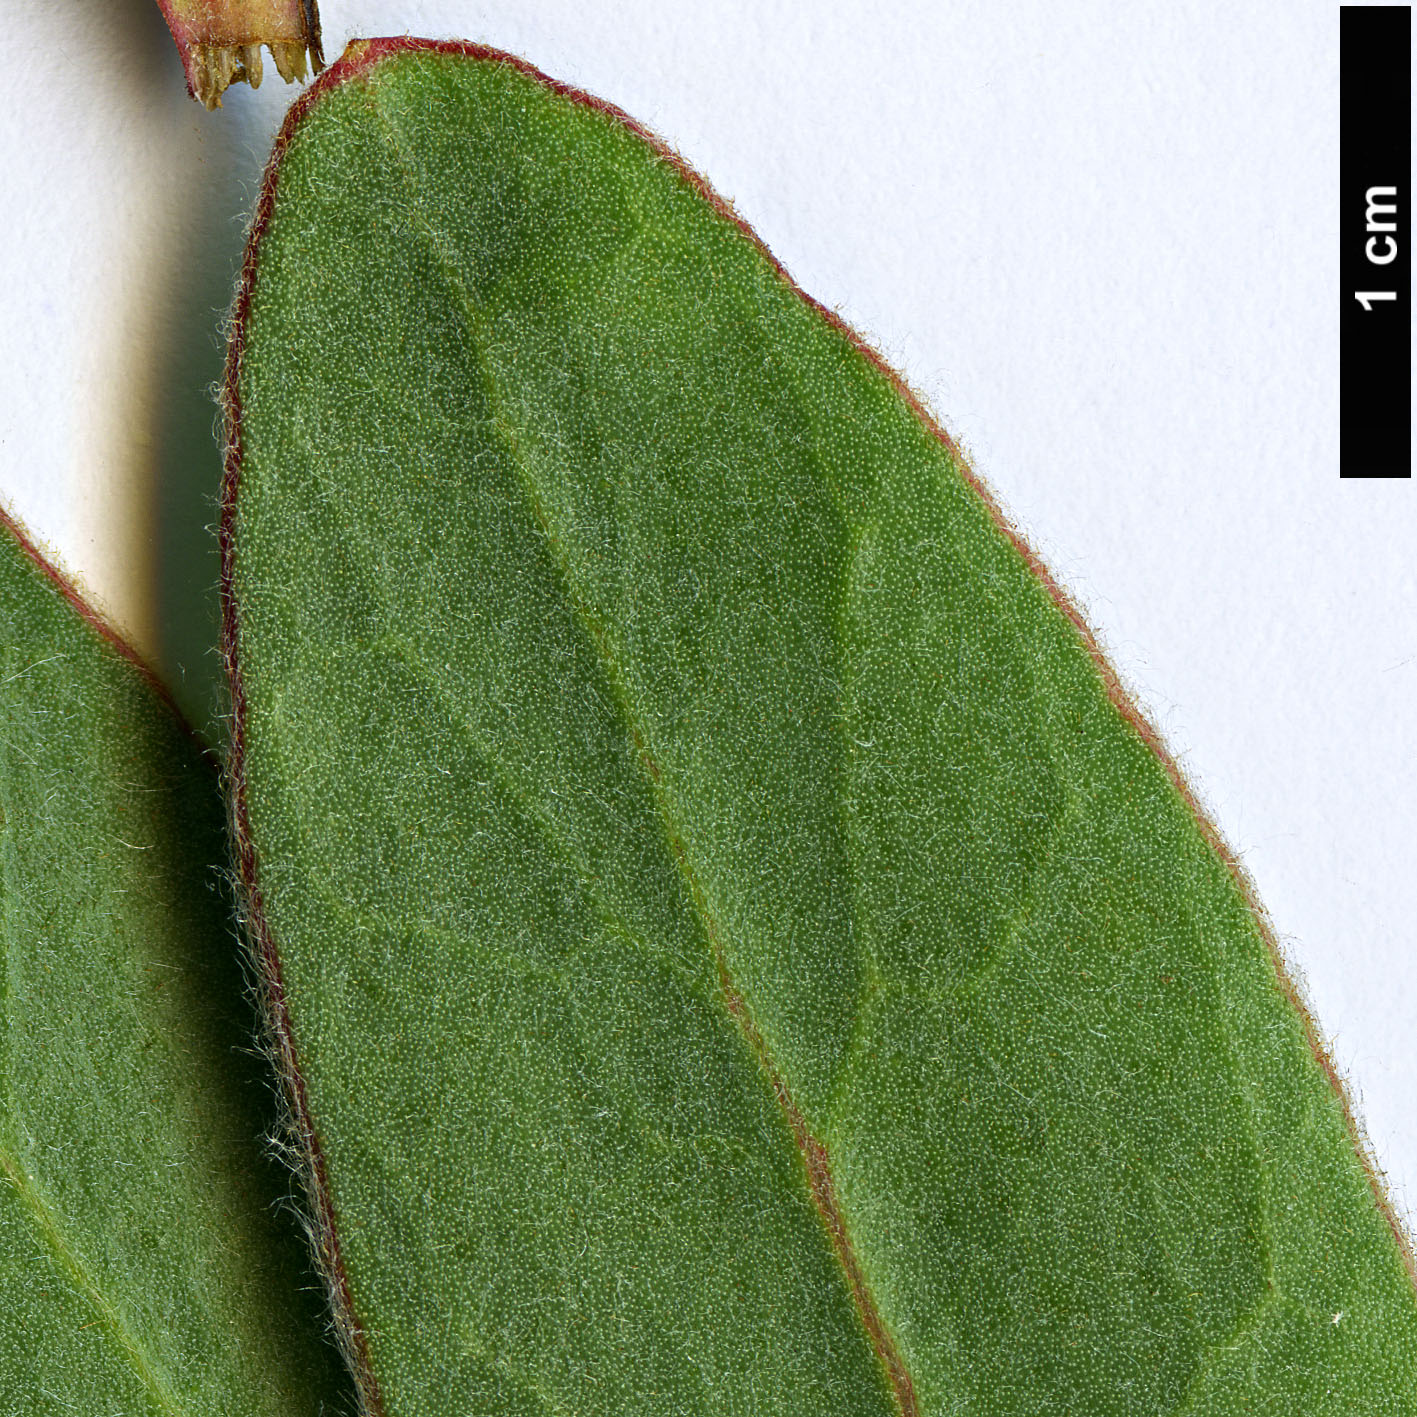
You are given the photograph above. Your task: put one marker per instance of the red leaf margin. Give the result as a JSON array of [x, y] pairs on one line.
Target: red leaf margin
[[359, 57]]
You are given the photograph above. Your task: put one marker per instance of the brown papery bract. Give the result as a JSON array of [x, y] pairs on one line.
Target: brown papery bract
[[220, 41]]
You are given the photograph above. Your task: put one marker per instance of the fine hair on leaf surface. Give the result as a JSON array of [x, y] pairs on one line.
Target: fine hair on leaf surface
[[147, 1259], [722, 935], [732, 941]]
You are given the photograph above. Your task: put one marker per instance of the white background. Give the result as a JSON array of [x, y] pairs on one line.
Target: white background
[[1101, 240]]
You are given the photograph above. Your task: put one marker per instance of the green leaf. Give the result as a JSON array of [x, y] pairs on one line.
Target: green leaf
[[143, 1267], [742, 951]]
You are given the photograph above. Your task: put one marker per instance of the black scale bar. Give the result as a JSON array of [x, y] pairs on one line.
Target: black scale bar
[[1375, 232]]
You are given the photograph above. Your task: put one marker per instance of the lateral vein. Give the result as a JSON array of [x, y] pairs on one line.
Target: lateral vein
[[821, 1184], [68, 1260]]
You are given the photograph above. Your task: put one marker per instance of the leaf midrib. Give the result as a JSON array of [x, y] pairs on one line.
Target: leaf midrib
[[820, 1189]]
